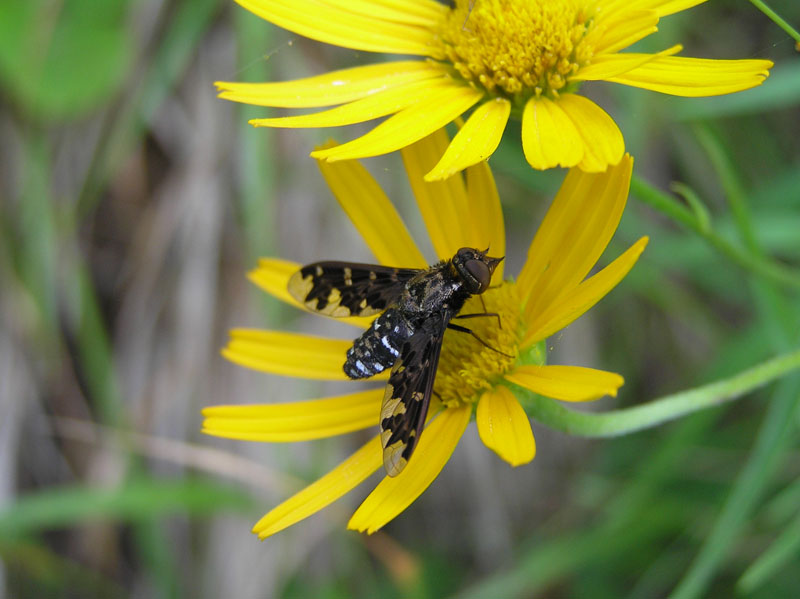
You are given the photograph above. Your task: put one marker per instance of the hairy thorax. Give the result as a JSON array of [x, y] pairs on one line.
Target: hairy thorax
[[431, 291]]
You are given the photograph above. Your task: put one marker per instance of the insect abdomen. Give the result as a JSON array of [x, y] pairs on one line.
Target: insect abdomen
[[378, 347]]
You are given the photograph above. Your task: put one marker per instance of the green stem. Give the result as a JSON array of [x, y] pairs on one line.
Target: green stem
[[777, 19], [666, 204], [553, 414]]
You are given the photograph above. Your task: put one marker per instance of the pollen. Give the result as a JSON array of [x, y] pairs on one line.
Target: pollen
[[518, 48], [467, 367]]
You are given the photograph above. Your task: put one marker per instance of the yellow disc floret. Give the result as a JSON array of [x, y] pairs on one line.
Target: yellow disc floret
[[467, 367], [518, 48]]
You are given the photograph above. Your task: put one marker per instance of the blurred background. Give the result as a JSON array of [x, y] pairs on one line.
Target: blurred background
[[133, 204]]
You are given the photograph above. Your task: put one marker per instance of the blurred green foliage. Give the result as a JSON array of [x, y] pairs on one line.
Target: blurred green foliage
[[96, 101], [61, 60]]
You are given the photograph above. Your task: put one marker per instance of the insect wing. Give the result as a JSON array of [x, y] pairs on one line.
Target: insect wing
[[342, 289], [408, 393]]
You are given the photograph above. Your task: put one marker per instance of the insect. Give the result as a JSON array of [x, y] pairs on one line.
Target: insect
[[415, 307]]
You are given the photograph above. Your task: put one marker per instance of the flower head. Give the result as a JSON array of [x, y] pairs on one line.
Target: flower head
[[493, 57], [473, 378]]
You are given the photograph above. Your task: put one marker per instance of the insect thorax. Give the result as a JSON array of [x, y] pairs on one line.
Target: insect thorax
[[433, 290]]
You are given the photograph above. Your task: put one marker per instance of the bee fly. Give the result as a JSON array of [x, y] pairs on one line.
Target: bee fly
[[417, 306]]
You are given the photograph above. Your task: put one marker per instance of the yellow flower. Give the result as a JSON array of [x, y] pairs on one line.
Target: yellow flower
[[551, 291], [500, 57]]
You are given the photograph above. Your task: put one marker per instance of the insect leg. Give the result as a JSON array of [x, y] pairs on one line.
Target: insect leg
[[484, 313], [478, 314], [461, 329]]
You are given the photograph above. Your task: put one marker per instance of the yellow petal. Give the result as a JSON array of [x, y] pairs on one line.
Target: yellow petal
[[273, 275], [336, 87], [444, 205], [427, 13], [575, 231], [549, 138], [296, 421], [476, 141], [342, 479], [572, 305], [602, 140], [661, 7], [435, 109], [669, 7], [487, 213], [504, 427], [567, 383], [364, 109], [617, 30], [340, 27], [372, 213], [611, 65], [289, 354], [696, 77], [393, 495]]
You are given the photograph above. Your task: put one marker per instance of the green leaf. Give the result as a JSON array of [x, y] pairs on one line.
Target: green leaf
[[785, 548], [59, 61], [773, 439]]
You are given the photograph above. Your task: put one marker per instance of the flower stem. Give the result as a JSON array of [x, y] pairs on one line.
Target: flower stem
[[666, 204], [613, 423], [777, 19]]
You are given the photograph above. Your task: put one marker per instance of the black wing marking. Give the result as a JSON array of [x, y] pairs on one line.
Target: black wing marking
[[408, 394], [341, 289]]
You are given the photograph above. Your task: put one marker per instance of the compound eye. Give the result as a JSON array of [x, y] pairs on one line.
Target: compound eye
[[464, 254], [479, 271]]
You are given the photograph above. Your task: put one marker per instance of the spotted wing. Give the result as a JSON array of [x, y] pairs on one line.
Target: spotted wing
[[408, 393], [341, 289]]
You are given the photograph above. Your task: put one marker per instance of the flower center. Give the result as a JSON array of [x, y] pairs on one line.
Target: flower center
[[518, 48], [467, 367]]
